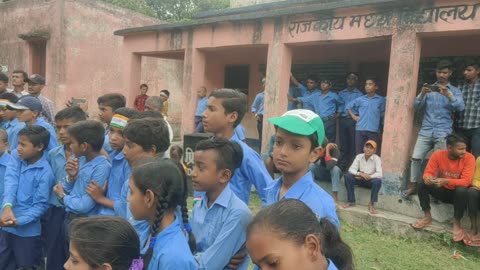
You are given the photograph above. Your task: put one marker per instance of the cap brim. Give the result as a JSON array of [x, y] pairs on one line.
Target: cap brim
[[293, 124], [17, 107]]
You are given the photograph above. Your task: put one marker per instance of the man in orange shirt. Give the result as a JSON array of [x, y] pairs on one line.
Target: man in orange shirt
[[446, 173]]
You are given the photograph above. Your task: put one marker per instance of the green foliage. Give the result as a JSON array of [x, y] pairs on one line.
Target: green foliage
[[171, 10]]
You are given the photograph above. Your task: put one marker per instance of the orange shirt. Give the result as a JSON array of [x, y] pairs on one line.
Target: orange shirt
[[458, 172]]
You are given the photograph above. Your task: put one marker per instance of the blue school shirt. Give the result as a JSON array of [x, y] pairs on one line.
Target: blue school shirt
[[4, 159], [57, 160], [118, 176], [307, 191], [323, 105], [106, 142], [78, 201], [347, 97], [295, 93], [258, 102], [251, 171], [437, 121], [27, 187], [331, 265], [304, 93], [201, 106], [220, 231], [371, 112], [53, 135], [240, 132], [171, 250], [13, 127]]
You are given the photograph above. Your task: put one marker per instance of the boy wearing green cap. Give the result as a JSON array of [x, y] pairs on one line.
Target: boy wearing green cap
[[298, 138]]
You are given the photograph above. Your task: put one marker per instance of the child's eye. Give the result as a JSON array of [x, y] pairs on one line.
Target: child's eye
[[278, 143], [297, 146]]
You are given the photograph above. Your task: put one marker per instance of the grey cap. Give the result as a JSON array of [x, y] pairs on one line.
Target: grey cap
[[27, 103], [36, 79]]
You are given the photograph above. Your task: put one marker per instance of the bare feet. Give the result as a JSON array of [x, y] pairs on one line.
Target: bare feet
[[371, 209], [348, 205], [422, 223]]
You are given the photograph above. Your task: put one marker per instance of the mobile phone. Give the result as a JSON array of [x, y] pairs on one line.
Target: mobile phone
[[77, 101], [433, 87]]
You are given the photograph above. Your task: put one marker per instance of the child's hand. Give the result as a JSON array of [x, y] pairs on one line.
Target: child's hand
[[58, 189], [8, 219], [72, 168], [356, 118], [96, 191]]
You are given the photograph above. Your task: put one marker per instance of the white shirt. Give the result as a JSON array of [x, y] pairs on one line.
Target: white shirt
[[19, 95], [371, 166]]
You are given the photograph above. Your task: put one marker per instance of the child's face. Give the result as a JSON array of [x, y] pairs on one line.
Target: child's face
[[370, 87], [214, 118], [105, 113], [271, 252], [3, 146], [6, 114], [143, 90], [138, 202], [26, 115], [26, 149], [311, 84], [201, 92], [205, 176], [61, 127], [3, 86], [325, 86], [368, 150], [76, 147], [134, 152], [116, 139], [292, 153], [75, 262]]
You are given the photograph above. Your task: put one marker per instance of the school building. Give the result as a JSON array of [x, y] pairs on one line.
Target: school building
[[398, 41]]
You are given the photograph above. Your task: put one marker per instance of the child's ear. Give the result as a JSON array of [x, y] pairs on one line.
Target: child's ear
[[315, 154], [232, 117], [313, 247], [40, 147], [149, 198], [224, 176], [106, 266]]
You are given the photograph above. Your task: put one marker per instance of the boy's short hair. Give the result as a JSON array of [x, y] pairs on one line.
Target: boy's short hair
[[73, 113], [352, 75], [143, 85], [453, 139], [471, 63], [166, 92], [232, 101], [148, 133], [90, 132], [114, 100], [373, 79], [442, 64], [302, 122], [10, 97], [229, 154], [24, 74], [37, 135], [3, 135], [3, 77]]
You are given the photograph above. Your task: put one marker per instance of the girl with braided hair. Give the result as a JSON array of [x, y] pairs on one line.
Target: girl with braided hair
[[157, 188]]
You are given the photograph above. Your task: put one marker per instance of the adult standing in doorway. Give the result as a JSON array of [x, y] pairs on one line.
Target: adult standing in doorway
[[468, 124], [19, 79]]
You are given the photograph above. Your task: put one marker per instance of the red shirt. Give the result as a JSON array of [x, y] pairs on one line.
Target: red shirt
[[139, 103], [458, 172]]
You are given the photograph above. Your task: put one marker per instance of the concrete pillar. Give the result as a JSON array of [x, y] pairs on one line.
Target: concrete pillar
[[132, 72], [279, 62], [401, 92]]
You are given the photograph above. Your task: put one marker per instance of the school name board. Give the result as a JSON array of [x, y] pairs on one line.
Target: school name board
[[384, 19]]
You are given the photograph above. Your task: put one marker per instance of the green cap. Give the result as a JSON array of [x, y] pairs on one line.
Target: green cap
[[301, 122]]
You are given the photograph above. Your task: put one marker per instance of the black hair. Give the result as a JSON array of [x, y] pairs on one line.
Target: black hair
[[37, 135], [352, 73], [73, 113], [143, 85], [166, 92], [114, 100], [3, 77], [293, 220], [90, 132], [311, 77], [3, 135], [232, 101], [99, 240], [9, 96], [156, 101], [229, 154], [24, 74], [127, 112], [148, 133], [176, 152], [471, 63], [453, 139], [312, 137], [442, 64], [373, 79], [165, 179]]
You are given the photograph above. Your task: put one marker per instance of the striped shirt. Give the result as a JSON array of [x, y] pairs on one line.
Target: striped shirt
[[470, 117]]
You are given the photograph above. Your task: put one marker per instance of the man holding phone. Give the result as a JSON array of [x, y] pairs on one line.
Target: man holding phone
[[438, 102]]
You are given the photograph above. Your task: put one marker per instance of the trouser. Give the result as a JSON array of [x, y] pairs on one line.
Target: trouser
[[331, 130], [473, 202], [321, 173], [54, 238], [361, 137], [198, 124], [457, 197], [18, 252], [347, 142], [422, 147], [375, 184], [473, 139], [259, 128]]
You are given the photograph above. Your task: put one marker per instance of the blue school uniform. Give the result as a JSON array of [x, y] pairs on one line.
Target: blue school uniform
[[370, 110], [13, 127], [307, 191], [201, 106], [323, 105], [27, 187], [251, 171], [220, 231], [118, 175], [4, 159], [78, 201], [347, 97], [171, 250], [258, 103], [53, 135], [106, 142], [240, 132], [331, 265], [305, 93]]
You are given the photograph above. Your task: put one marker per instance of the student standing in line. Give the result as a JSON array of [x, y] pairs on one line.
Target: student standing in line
[[202, 100]]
